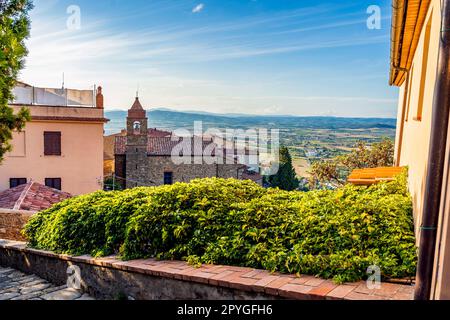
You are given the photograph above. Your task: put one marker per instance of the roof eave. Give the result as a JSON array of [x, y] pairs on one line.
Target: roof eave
[[408, 18], [396, 32]]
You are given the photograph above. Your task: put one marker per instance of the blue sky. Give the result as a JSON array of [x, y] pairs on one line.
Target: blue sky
[[228, 56]]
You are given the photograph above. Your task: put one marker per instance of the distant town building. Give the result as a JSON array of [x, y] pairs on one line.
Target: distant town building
[[62, 146], [144, 157]]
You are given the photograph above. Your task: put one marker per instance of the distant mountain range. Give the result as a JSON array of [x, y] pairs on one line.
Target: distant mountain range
[[164, 118]]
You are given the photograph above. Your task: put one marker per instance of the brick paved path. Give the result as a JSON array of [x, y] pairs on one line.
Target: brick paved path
[[15, 285]]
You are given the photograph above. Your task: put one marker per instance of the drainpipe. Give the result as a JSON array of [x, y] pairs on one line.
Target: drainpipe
[[436, 159]]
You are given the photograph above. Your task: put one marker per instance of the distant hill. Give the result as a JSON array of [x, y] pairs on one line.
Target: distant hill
[[168, 119]]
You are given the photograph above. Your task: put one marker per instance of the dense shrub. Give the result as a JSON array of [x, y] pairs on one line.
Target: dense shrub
[[332, 234], [94, 223]]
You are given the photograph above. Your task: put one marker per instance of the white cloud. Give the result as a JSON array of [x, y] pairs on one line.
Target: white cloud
[[198, 8], [159, 58]]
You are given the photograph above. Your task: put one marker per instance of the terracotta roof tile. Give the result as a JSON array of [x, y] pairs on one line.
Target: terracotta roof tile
[[250, 175], [8, 198], [31, 197], [153, 132], [160, 143], [136, 110], [163, 146], [137, 105], [120, 139]]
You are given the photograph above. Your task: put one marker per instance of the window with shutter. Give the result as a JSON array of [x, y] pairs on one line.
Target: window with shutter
[[14, 182], [52, 143], [168, 177], [54, 183]]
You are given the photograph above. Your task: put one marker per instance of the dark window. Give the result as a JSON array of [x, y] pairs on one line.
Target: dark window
[[14, 182], [168, 177], [54, 183], [52, 143]]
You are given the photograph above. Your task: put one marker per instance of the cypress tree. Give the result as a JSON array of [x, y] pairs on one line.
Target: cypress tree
[[285, 178]]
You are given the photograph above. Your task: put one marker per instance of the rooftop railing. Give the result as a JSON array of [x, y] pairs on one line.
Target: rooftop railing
[[29, 95]]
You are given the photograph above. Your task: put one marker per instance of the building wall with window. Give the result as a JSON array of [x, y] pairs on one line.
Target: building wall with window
[[162, 166], [415, 108], [160, 170], [414, 66], [61, 147]]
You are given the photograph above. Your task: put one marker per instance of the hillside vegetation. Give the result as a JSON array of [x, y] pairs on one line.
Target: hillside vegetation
[[332, 234]]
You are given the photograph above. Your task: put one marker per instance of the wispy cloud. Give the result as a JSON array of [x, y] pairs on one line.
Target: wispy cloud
[[185, 64], [198, 8], [161, 45]]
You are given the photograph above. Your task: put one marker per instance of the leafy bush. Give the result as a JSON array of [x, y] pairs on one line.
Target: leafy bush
[[332, 234], [94, 223], [336, 170]]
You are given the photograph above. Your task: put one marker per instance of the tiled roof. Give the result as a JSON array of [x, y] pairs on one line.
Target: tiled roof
[[250, 175], [136, 110], [163, 146], [31, 197], [137, 105], [153, 132], [8, 198], [160, 144]]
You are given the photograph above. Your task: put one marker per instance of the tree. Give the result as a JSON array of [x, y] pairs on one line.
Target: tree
[[334, 172], [285, 178], [14, 29]]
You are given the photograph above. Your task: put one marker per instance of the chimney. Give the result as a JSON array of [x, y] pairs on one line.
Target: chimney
[[99, 98]]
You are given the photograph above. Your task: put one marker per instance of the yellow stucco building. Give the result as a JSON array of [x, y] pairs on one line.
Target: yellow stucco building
[[420, 68], [62, 145]]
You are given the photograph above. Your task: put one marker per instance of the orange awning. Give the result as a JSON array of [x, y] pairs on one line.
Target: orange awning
[[373, 175]]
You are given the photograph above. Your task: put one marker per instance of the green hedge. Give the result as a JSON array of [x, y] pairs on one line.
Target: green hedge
[[332, 234]]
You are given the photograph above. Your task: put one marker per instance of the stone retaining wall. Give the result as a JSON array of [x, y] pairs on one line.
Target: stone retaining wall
[[12, 222], [111, 278]]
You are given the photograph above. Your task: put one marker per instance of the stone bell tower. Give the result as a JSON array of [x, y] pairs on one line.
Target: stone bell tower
[[136, 148]]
